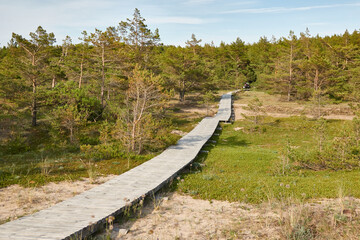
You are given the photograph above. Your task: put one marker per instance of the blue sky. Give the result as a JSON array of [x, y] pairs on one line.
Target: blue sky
[[210, 20]]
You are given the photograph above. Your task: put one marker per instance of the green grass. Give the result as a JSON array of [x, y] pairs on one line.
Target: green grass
[[30, 171], [244, 164]]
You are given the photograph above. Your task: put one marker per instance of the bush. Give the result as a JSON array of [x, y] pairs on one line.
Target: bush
[[15, 145], [341, 153], [102, 151], [88, 140]]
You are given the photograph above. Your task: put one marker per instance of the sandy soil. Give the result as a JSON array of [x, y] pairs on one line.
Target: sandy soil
[[175, 216], [283, 113], [275, 106], [17, 201]]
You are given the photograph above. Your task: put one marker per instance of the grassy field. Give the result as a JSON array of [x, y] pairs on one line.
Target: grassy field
[[245, 165]]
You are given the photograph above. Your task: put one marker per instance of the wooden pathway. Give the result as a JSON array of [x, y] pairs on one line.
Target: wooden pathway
[[85, 213]]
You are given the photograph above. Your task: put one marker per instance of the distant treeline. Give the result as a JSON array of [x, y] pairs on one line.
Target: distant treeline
[[306, 67]]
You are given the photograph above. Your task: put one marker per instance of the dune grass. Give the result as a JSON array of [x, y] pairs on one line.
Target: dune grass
[[245, 165]]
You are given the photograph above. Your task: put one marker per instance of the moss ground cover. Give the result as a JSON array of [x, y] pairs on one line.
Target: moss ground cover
[[245, 165]]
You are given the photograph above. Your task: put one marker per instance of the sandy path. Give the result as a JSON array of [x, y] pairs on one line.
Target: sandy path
[[17, 201]]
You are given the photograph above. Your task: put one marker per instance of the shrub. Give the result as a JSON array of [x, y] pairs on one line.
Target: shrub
[[341, 153], [15, 145], [102, 151]]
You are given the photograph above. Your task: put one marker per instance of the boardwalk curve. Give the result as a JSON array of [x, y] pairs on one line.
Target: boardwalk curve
[[83, 214]]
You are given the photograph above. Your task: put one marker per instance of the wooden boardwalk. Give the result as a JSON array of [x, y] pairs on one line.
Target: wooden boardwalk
[[85, 213]]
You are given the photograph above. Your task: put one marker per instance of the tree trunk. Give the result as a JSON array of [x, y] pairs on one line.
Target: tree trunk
[[34, 105], [53, 82], [319, 104], [71, 134], [102, 75], [81, 73], [316, 79], [133, 136], [182, 95], [140, 146], [290, 73]]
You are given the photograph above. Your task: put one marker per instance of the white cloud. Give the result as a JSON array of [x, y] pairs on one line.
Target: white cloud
[[285, 9], [61, 17], [179, 20], [242, 3], [316, 24], [197, 2]]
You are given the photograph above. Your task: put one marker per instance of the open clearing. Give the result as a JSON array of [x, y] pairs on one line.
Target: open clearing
[[274, 106]]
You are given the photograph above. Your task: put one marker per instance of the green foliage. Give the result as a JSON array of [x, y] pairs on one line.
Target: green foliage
[[32, 64], [103, 151], [183, 70], [302, 232], [66, 94], [207, 99], [300, 67], [136, 33], [74, 108], [244, 166], [340, 152], [15, 145], [162, 138], [66, 121], [257, 112], [141, 40], [137, 124]]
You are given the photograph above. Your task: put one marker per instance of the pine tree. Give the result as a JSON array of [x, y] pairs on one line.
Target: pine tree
[[193, 43], [143, 98], [182, 70], [136, 34], [103, 42], [35, 62]]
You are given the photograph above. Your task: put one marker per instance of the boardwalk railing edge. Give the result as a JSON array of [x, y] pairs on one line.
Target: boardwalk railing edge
[[86, 213]]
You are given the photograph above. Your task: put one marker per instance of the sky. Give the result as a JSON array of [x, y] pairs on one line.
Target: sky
[[210, 20]]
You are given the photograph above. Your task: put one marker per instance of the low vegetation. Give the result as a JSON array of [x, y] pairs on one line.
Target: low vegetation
[[254, 163], [34, 160]]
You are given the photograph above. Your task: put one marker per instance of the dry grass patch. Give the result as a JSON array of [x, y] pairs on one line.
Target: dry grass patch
[[17, 201], [176, 216], [276, 106]]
